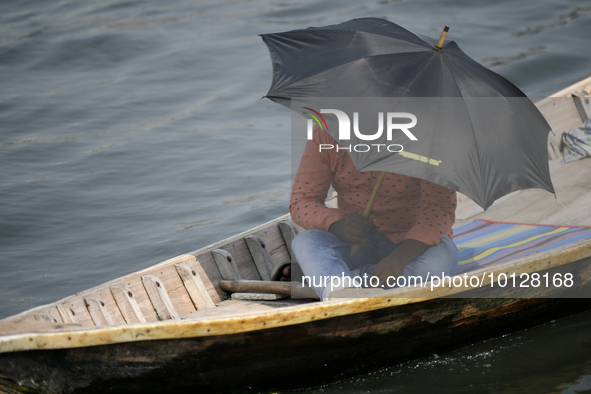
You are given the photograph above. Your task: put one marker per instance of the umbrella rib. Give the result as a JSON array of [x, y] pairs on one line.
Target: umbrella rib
[[407, 88], [471, 127]]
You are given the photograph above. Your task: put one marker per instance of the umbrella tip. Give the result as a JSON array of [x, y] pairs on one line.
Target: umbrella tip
[[441, 39]]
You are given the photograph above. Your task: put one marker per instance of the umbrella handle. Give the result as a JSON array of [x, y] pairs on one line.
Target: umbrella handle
[[356, 247]]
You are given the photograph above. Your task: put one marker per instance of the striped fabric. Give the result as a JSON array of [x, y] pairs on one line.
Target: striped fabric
[[486, 243]]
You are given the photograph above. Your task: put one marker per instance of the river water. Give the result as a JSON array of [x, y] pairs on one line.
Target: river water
[[133, 131]]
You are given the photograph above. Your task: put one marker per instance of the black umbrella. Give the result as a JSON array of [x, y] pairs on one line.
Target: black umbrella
[[474, 131]]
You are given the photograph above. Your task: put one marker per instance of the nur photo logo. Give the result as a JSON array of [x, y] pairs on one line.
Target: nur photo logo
[[391, 124]]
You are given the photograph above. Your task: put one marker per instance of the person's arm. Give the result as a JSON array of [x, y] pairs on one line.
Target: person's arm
[[311, 185]]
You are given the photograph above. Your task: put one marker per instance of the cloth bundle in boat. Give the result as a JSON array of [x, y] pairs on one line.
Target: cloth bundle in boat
[[487, 243], [576, 143]]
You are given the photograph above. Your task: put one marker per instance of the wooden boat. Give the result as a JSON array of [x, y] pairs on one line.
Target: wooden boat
[[176, 327]]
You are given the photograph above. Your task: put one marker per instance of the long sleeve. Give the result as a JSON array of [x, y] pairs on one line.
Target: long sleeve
[[311, 186]]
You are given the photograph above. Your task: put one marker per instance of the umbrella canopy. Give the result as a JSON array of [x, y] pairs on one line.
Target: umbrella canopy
[[473, 131]]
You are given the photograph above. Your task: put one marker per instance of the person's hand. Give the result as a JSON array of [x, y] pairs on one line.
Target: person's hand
[[353, 228], [390, 266], [394, 264]]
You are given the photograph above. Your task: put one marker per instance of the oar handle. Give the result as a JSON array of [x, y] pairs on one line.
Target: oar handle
[[356, 247], [257, 286], [295, 288]]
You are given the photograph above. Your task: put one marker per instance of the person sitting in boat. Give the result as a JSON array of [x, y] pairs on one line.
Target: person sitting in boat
[[409, 233]]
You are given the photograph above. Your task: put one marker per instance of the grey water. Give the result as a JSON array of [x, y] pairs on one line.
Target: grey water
[[134, 131]]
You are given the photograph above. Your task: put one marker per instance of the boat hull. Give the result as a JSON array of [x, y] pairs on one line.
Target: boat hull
[[290, 357]]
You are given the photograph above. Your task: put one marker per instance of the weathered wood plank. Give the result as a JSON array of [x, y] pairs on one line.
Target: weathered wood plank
[[238, 308], [67, 314], [136, 286], [543, 205], [45, 317], [171, 281], [207, 280], [53, 312], [288, 233], [78, 306], [275, 244], [174, 286], [576, 213], [127, 305], [208, 268], [575, 175], [195, 286], [104, 294], [516, 203], [531, 206], [583, 103], [242, 259], [159, 298], [98, 311], [260, 255], [227, 264]]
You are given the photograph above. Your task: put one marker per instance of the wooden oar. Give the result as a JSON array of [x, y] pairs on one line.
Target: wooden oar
[[263, 286], [266, 286], [356, 247]]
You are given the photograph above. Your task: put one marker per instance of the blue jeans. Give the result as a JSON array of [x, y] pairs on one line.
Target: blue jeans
[[321, 254]]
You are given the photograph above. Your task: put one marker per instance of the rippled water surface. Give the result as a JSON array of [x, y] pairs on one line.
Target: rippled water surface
[[133, 131]]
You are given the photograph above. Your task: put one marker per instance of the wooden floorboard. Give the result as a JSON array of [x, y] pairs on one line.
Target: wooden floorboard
[[578, 213]]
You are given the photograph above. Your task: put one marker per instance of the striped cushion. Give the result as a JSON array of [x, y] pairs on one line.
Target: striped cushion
[[485, 243]]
